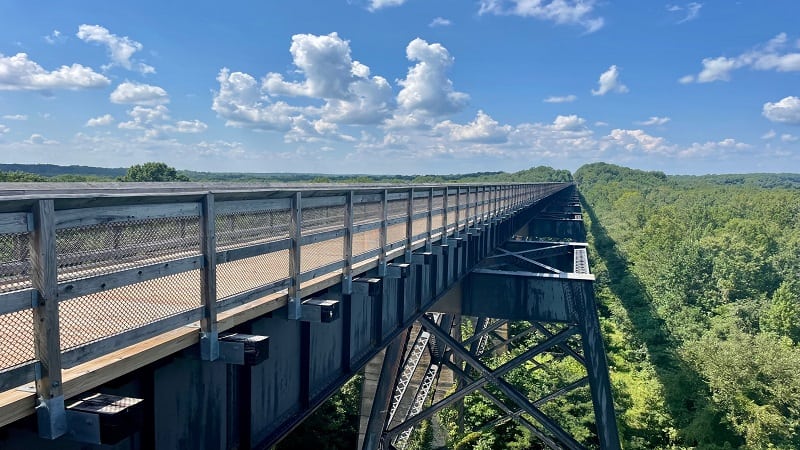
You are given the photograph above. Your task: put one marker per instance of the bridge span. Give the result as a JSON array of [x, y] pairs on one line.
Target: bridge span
[[166, 316]]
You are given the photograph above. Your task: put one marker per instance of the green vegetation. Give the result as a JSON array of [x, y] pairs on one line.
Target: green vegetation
[[699, 284], [153, 171]]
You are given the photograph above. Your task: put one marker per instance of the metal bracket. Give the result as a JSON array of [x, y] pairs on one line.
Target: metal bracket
[[320, 310], [243, 349]]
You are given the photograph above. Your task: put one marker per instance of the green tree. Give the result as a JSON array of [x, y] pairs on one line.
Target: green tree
[[153, 171]]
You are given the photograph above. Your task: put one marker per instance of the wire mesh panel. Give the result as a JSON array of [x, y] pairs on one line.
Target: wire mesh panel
[[249, 273], [14, 262], [396, 233], [92, 317], [16, 334], [420, 204], [320, 219], [242, 229], [436, 221], [320, 254], [106, 248], [438, 201], [366, 241], [366, 212], [397, 208], [420, 226], [109, 247]]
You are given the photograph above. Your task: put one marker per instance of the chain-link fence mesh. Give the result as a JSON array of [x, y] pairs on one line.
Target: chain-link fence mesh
[[249, 273], [242, 229], [420, 204], [438, 202], [419, 226], [105, 248], [16, 328], [16, 334], [366, 212], [396, 233], [366, 241], [320, 254], [397, 208], [325, 218], [92, 317]]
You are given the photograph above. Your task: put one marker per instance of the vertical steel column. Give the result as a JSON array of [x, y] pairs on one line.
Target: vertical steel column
[[383, 237], [295, 235], [597, 369], [379, 413], [410, 225], [209, 336], [50, 413]]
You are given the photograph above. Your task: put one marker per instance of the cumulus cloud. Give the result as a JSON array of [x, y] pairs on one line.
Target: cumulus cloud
[[139, 94], [634, 140], [654, 121], [120, 49], [18, 73], [101, 121], [427, 88], [241, 102], [609, 82], [483, 129], [189, 126], [713, 148], [440, 22], [769, 135], [375, 5], [691, 11], [154, 123], [15, 117], [786, 137], [54, 37], [561, 99], [4, 129], [572, 12], [38, 139], [786, 110], [568, 123], [774, 55]]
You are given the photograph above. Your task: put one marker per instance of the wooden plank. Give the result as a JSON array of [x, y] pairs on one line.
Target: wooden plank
[[18, 375], [209, 347], [295, 233], [90, 285], [323, 202], [250, 251], [322, 235], [71, 218], [314, 273], [45, 315], [17, 301], [15, 222], [347, 245], [242, 298], [362, 227], [229, 207]]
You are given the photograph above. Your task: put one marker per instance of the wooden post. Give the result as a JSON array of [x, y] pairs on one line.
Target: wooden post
[[50, 413], [409, 225], [209, 340], [383, 237], [429, 226], [444, 214], [347, 275], [295, 234], [457, 233]]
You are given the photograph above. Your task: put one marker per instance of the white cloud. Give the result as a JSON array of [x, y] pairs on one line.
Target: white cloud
[[241, 102], [189, 126], [139, 94], [426, 87], [633, 140], [609, 82], [692, 10], [38, 139], [483, 129], [54, 38], [600, 123], [375, 5], [786, 137], [4, 129], [769, 56], [18, 73], [569, 123], [15, 117], [711, 148], [331, 74], [440, 22], [561, 99], [144, 116], [573, 12], [120, 49], [101, 121], [654, 121], [769, 135], [786, 110]]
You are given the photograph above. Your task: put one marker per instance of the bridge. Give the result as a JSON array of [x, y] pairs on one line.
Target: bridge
[[220, 316]]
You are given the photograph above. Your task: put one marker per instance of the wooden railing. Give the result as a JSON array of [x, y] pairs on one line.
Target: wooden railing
[[86, 272]]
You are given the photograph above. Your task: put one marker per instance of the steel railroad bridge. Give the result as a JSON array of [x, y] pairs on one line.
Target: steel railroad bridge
[[137, 316]]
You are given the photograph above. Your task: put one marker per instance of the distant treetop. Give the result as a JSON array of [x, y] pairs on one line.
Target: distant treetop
[[153, 171]]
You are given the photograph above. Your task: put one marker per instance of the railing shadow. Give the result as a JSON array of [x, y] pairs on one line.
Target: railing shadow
[[686, 394]]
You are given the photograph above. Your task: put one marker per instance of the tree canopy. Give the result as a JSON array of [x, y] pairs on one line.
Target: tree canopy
[[153, 171]]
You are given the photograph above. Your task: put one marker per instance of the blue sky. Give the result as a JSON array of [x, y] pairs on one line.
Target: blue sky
[[402, 86]]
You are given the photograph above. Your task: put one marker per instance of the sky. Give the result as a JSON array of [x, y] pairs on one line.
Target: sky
[[402, 86]]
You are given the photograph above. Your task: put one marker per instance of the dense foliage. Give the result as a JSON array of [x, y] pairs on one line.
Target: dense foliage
[[153, 171], [699, 281]]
